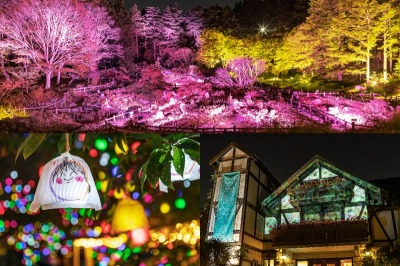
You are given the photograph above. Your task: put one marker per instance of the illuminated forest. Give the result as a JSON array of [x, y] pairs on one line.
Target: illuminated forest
[[261, 65]]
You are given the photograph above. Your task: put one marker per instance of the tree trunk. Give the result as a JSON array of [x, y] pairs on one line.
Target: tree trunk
[[368, 68], [340, 76], [384, 58], [26, 73], [58, 76], [154, 51], [137, 45], [390, 62], [48, 78], [3, 69]]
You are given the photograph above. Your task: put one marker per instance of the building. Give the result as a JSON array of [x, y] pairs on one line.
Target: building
[[320, 216]]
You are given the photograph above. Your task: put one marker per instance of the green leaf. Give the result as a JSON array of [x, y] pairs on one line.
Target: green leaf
[[143, 175], [61, 143], [32, 145], [188, 144], [179, 160], [166, 171], [179, 137], [154, 166], [194, 155], [22, 146]]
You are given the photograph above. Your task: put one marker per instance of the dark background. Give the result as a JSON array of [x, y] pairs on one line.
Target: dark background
[[367, 156], [184, 4]]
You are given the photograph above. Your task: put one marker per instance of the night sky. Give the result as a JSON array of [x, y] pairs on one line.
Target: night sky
[[184, 4], [367, 156]]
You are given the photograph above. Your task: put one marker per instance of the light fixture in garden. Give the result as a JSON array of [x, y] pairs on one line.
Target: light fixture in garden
[[66, 182]]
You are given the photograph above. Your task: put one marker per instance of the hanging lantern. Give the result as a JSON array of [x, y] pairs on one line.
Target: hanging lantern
[[129, 216], [191, 172], [66, 182]]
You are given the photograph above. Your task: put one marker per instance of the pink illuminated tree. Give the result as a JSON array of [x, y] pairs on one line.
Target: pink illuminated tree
[[239, 73], [137, 28], [46, 30], [102, 38], [172, 20], [5, 49], [194, 24], [54, 34], [152, 31]]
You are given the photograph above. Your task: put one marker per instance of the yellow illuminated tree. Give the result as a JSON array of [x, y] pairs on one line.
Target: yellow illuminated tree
[[218, 49], [358, 20], [390, 30]]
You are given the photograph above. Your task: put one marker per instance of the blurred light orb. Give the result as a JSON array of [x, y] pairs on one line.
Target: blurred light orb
[[147, 198], [105, 155], [114, 161], [8, 181], [101, 175], [135, 195], [78, 145], [140, 236], [93, 153], [100, 144], [180, 203], [103, 162], [165, 208], [186, 183], [14, 174], [81, 137], [135, 145], [114, 171], [123, 151]]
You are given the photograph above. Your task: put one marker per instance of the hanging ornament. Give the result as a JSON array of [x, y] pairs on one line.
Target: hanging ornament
[[129, 216], [66, 182], [191, 172]]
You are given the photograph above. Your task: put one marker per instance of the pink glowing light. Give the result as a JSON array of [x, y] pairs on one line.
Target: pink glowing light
[[147, 198], [139, 236]]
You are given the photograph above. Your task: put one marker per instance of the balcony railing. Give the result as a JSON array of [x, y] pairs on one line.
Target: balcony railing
[[320, 234]]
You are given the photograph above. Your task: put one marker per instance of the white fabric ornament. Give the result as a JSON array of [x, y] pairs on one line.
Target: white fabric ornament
[[66, 182], [190, 172]]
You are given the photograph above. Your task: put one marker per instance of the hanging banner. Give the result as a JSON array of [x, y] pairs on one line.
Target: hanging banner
[[226, 209], [66, 182]]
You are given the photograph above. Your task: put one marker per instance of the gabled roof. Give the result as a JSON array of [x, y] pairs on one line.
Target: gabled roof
[[227, 149], [311, 164], [249, 154]]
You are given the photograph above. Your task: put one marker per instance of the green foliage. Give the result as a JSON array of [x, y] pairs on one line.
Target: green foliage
[[341, 37], [215, 253], [30, 144], [385, 256], [388, 256], [218, 49], [172, 150], [166, 150], [296, 51]]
